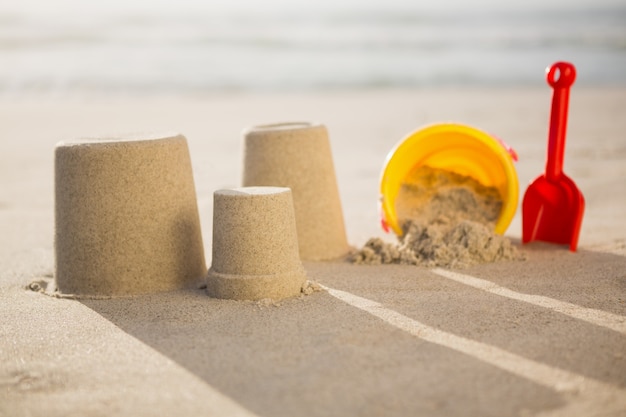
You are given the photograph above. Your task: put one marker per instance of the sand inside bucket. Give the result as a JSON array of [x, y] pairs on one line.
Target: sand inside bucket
[[448, 220]]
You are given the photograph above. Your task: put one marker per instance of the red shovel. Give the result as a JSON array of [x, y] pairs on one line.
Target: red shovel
[[552, 210]]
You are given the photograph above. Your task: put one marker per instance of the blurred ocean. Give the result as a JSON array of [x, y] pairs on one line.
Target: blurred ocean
[[200, 46]]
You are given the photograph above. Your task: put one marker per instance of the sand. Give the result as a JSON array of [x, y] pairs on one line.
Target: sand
[[447, 220], [183, 353], [298, 156], [255, 245], [433, 195], [126, 216]]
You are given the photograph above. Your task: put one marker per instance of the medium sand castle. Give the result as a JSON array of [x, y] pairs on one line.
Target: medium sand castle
[[298, 156]]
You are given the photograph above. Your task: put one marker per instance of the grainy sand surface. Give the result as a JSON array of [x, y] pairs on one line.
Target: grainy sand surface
[[541, 337]]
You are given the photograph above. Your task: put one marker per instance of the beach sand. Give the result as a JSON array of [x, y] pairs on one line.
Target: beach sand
[[540, 337]]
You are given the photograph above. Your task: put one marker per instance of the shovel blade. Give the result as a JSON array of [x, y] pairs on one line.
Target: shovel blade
[[552, 211]]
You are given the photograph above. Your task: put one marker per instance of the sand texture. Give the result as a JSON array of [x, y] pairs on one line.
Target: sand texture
[[255, 245], [126, 216], [432, 195], [544, 337], [447, 220], [298, 155]]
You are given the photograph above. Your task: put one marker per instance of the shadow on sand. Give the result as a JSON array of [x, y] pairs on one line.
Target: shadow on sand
[[316, 356]]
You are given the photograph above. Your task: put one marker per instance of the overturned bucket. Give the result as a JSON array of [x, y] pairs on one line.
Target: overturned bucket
[[456, 148]]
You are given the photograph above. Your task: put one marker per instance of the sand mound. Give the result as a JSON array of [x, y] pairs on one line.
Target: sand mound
[[447, 220]]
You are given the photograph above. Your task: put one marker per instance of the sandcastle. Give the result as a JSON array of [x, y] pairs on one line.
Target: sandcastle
[[127, 220], [126, 216], [298, 156], [255, 246]]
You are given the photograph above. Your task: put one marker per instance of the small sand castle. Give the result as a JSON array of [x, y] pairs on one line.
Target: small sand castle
[[255, 245]]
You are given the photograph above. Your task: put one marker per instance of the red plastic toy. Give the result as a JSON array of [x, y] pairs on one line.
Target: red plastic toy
[[552, 210]]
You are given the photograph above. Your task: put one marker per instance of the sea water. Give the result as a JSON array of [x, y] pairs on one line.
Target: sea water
[[197, 46]]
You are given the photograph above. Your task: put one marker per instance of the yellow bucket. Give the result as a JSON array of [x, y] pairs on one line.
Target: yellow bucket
[[457, 148]]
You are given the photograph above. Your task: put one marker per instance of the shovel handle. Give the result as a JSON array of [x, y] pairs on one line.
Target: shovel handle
[[560, 77]]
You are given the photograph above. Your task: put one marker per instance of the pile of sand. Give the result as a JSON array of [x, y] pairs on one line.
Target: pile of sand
[[447, 220]]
